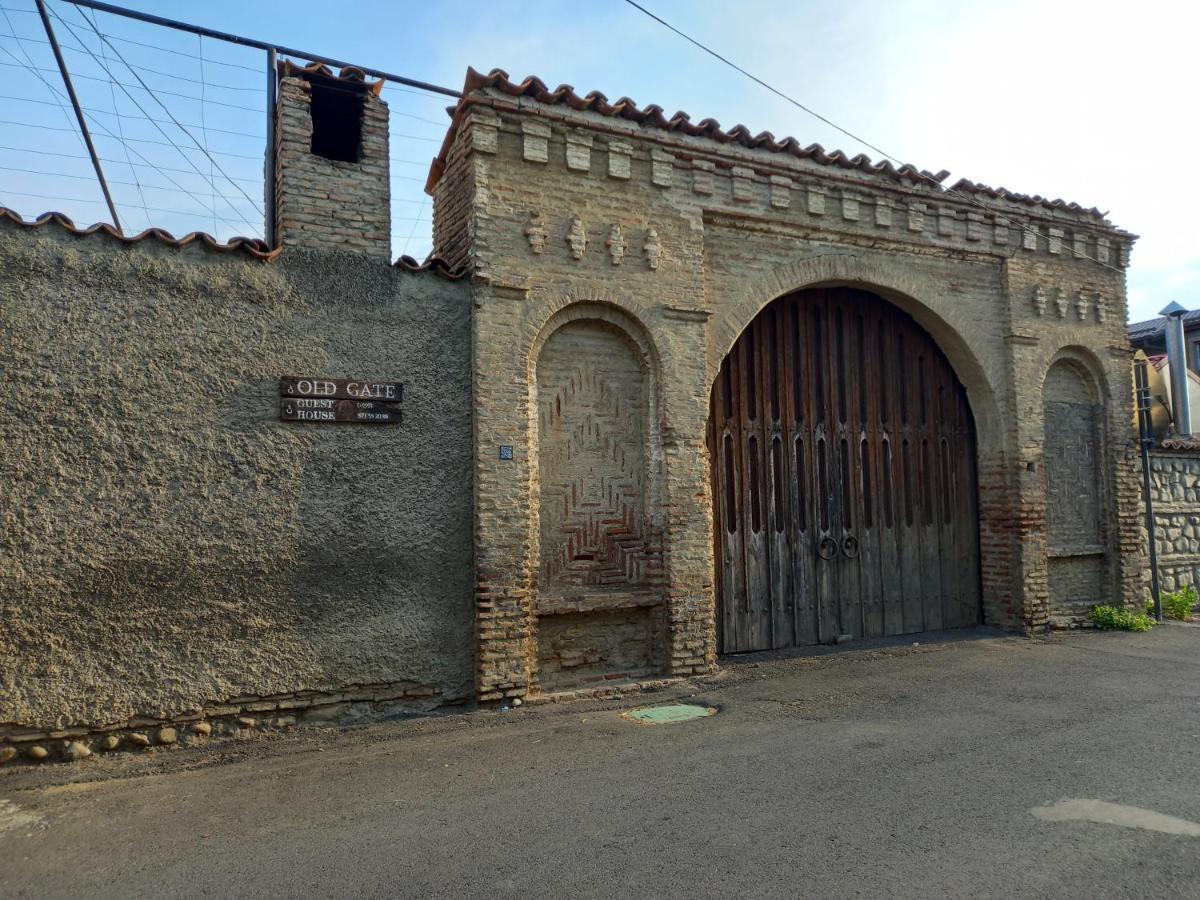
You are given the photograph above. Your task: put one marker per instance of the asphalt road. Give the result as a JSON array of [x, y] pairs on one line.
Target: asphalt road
[[968, 767]]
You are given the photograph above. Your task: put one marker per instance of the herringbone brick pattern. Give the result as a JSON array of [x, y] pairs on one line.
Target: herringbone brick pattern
[[592, 460]]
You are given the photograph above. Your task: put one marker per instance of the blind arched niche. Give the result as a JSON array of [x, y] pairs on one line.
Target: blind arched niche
[[1075, 495], [592, 405]]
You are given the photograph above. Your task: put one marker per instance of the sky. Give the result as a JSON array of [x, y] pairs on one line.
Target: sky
[[1087, 101]]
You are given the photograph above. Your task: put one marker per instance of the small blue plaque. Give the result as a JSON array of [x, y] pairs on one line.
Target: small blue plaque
[[506, 451]]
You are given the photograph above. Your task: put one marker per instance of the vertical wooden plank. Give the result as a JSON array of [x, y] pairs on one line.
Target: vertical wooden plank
[[803, 545], [910, 531], [931, 578], [735, 563], [944, 498], [846, 447], [778, 550], [868, 466], [758, 583], [824, 525], [892, 580]]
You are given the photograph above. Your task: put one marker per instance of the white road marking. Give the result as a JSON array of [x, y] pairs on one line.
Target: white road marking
[[1080, 810], [12, 816]]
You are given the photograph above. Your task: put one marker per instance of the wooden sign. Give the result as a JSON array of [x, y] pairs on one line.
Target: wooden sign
[[342, 389], [327, 409]]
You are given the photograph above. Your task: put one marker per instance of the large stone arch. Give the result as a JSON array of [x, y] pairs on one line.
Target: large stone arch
[[907, 286]]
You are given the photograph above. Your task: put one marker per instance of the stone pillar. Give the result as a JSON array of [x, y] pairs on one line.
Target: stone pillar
[[331, 183]]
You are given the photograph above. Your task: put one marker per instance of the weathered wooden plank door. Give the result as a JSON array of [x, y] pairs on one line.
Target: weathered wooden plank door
[[844, 486]]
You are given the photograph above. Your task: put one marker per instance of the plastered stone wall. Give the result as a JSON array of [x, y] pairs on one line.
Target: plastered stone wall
[[168, 547], [680, 241]]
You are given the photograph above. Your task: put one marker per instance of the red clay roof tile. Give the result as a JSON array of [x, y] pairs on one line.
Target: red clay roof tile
[[652, 116]]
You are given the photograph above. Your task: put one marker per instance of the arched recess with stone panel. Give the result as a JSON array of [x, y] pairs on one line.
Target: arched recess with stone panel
[[844, 477], [597, 473], [1076, 538]]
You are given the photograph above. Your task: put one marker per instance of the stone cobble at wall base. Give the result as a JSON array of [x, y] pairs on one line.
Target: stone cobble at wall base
[[237, 716]]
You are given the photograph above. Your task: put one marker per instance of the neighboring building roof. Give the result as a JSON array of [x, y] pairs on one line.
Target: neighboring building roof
[[1140, 331], [653, 117]]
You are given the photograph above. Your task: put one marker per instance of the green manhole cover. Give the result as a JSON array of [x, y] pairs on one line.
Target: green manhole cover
[[668, 715]]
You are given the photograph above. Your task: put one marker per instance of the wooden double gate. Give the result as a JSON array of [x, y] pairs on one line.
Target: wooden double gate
[[844, 483]]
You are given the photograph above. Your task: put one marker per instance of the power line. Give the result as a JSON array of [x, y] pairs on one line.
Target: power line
[[125, 84], [796, 103], [180, 212], [112, 93], [143, 165], [145, 160], [112, 136], [105, 112], [170, 115], [175, 76], [125, 40]]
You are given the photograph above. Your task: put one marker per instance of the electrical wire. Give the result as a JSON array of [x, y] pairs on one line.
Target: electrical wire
[[112, 93], [164, 107], [126, 40], [106, 132], [796, 103]]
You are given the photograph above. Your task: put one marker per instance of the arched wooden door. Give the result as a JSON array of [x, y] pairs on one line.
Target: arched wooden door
[[844, 484]]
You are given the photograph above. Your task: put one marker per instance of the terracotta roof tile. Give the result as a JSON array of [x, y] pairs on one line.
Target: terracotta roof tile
[[1180, 443], [349, 73], [970, 187], [254, 247], [251, 246], [653, 117], [434, 264]]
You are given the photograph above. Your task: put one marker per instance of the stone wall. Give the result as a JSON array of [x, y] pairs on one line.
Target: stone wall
[[171, 551], [1175, 492]]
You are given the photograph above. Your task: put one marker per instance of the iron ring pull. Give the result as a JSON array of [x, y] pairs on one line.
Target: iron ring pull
[[850, 546], [827, 548]]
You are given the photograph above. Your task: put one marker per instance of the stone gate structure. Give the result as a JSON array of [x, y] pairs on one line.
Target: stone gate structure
[[650, 244], [548, 514]]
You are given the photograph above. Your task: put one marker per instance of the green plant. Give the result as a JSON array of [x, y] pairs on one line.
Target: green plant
[[1179, 604], [1111, 618]]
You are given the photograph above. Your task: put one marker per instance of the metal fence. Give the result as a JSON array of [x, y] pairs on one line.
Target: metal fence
[[178, 118]]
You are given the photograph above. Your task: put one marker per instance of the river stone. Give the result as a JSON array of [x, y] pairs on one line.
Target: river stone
[[37, 753], [139, 740], [7, 753], [110, 742], [167, 735], [202, 728], [76, 750]]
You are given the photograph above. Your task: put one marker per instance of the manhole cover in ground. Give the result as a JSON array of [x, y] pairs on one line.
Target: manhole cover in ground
[[668, 715]]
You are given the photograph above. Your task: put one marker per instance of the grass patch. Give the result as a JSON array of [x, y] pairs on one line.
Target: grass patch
[[1109, 618], [1179, 604]]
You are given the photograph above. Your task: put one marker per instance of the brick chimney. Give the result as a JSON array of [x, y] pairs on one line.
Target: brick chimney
[[331, 161]]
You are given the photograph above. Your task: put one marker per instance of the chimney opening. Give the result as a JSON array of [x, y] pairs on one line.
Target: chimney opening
[[337, 120]]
